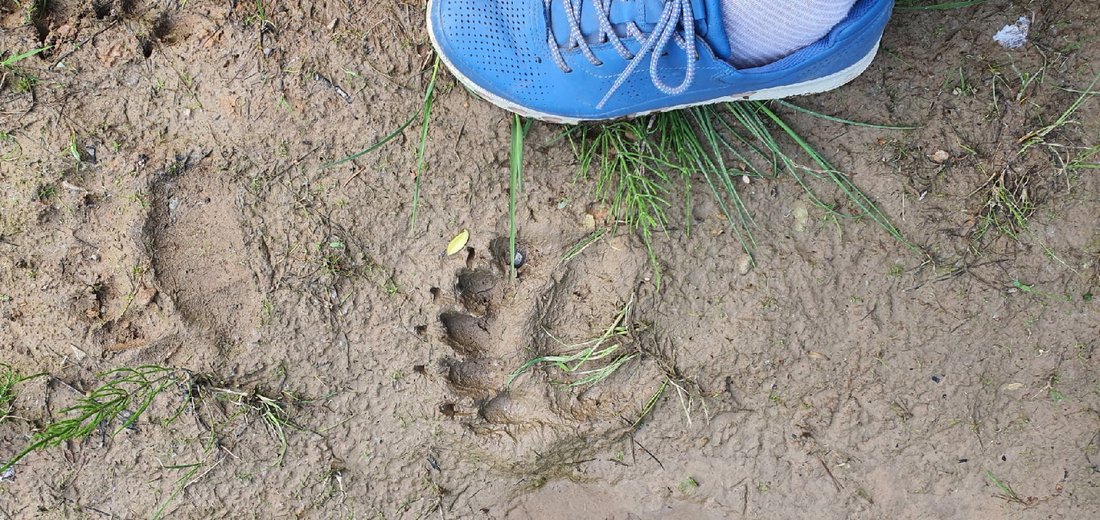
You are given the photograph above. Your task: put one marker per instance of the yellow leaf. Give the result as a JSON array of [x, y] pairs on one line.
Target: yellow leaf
[[458, 242]]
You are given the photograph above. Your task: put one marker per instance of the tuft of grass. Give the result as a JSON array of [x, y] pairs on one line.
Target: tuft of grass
[[1008, 206], [636, 164], [1009, 201], [24, 82], [578, 360], [865, 207], [274, 412], [9, 379], [1007, 493], [629, 175], [1085, 159], [1038, 136], [118, 402], [128, 392]]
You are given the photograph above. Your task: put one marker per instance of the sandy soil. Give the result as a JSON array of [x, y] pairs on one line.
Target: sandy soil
[[844, 376]]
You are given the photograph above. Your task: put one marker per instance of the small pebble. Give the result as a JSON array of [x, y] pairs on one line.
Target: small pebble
[[589, 222], [744, 263], [940, 156], [801, 216]]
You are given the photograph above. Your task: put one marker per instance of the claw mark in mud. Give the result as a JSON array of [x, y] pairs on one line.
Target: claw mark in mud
[[497, 324]]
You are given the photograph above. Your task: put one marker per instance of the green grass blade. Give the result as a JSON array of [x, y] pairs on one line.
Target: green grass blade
[[835, 119], [378, 144], [515, 185], [426, 116], [12, 60], [854, 194], [580, 246]]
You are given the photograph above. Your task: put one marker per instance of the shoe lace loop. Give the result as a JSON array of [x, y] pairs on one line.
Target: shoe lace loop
[[675, 15]]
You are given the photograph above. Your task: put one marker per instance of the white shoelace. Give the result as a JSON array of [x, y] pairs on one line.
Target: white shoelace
[[675, 13]]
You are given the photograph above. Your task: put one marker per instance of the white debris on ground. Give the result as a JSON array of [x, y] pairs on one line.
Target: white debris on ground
[[1014, 36]]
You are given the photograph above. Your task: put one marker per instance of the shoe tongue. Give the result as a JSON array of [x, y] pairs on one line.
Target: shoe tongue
[[646, 14], [712, 31]]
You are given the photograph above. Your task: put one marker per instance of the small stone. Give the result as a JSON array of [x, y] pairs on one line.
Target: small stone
[[589, 222], [801, 216], [940, 156], [144, 296], [519, 259], [744, 263], [598, 211]]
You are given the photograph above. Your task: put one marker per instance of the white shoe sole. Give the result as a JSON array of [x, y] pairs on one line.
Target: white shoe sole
[[813, 86]]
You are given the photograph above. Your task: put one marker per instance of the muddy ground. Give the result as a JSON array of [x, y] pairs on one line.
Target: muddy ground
[[164, 203]]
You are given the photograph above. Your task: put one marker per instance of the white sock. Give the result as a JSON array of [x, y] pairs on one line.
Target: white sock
[[762, 31]]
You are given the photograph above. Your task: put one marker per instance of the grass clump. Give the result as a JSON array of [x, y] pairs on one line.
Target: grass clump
[[24, 81], [9, 379], [592, 361], [118, 402], [1009, 194], [273, 412], [127, 394], [638, 164]]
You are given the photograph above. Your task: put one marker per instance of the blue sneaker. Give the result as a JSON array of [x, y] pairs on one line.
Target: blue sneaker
[[568, 61]]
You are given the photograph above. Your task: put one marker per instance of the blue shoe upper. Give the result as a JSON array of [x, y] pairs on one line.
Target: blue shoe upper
[[600, 59]]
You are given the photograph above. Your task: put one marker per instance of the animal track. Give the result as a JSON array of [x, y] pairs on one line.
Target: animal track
[[498, 323], [194, 218]]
